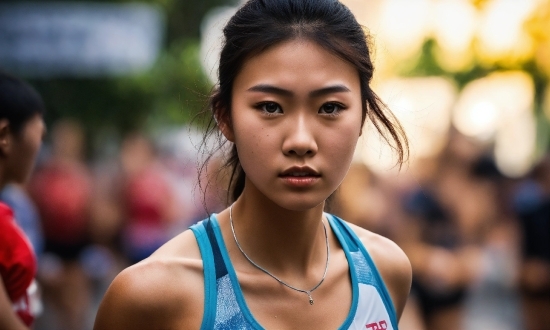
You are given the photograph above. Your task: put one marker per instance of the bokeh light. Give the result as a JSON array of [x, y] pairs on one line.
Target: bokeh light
[[483, 46], [454, 26], [423, 106], [502, 35]]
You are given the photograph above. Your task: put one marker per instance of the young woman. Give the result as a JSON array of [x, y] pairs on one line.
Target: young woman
[[292, 98], [21, 131]]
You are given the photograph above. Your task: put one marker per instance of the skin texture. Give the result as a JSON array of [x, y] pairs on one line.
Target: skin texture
[[17, 155], [18, 150], [295, 104]]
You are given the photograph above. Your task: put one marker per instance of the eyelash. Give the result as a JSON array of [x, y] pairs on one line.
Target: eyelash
[[261, 105], [339, 108]]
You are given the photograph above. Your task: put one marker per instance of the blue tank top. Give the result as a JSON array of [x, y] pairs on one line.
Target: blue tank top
[[225, 306]]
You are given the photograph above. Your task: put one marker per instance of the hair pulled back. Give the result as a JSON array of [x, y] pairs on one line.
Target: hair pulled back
[[260, 24]]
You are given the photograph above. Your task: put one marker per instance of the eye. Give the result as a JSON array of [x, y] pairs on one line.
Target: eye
[[270, 107], [331, 108]]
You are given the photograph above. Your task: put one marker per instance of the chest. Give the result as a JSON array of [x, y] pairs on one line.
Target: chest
[[276, 306]]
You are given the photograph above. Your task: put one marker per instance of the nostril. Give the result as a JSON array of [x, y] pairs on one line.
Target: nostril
[[300, 152]]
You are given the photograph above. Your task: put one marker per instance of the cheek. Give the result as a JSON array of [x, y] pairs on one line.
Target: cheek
[[29, 151], [255, 144], [339, 148], [33, 145]]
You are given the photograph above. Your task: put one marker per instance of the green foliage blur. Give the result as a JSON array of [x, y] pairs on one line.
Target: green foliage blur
[[426, 65], [171, 93]]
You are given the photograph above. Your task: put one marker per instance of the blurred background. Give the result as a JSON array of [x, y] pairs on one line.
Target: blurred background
[[118, 174]]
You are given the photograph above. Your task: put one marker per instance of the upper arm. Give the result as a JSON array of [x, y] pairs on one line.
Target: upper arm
[[152, 296], [392, 264], [127, 304], [396, 271]]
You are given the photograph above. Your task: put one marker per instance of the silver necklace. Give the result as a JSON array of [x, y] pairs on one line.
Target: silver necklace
[[308, 292]]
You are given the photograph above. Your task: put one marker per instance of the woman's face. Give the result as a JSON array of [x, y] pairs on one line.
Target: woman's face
[[24, 149], [296, 119]]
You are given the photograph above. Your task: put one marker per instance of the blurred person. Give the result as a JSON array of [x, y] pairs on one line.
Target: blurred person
[[532, 205], [106, 215], [412, 316], [439, 286], [147, 199], [360, 200], [293, 96], [61, 188], [490, 226], [438, 233], [26, 215], [21, 132]]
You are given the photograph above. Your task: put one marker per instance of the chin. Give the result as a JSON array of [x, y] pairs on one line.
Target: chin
[[299, 204]]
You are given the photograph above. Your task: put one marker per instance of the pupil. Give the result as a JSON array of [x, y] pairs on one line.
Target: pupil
[[271, 107], [329, 108]]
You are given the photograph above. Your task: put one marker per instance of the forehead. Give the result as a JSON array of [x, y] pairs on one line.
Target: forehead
[[299, 65]]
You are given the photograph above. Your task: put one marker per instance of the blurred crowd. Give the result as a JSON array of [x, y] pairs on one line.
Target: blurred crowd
[[87, 220], [479, 242]]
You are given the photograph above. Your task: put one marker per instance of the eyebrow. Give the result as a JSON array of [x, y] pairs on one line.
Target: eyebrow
[[270, 89]]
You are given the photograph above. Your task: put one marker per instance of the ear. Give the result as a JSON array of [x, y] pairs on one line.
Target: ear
[[6, 137], [224, 125]]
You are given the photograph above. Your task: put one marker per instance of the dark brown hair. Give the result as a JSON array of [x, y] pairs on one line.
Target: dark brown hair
[[19, 101]]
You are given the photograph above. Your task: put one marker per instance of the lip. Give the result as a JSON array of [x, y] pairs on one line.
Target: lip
[[300, 176], [302, 171]]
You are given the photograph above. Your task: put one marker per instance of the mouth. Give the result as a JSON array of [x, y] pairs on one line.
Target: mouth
[[299, 172]]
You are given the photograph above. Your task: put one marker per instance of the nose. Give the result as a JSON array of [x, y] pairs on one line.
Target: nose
[[300, 138]]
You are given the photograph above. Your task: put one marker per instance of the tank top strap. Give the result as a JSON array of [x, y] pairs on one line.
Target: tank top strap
[[224, 306], [362, 264], [213, 268]]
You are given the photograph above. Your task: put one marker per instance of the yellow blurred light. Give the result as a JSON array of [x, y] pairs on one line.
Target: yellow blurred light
[[454, 26], [542, 57], [502, 37], [538, 27], [513, 90], [454, 61], [515, 145], [487, 102], [366, 12], [477, 118], [500, 106], [404, 26], [423, 107]]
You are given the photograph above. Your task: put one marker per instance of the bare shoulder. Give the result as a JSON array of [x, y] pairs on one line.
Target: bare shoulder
[[392, 263], [164, 291]]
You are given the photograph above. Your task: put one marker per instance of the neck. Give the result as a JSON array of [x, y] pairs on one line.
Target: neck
[[277, 238]]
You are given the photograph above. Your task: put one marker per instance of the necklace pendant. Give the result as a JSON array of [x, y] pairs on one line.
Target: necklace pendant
[[308, 292]]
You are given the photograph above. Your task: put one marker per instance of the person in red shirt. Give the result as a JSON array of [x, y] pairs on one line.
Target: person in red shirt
[[21, 131]]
